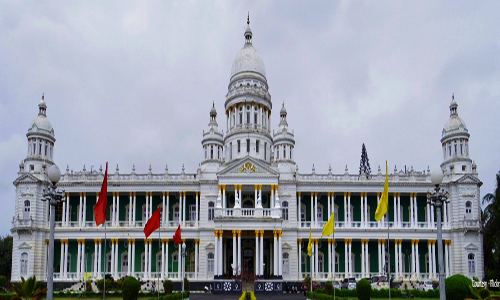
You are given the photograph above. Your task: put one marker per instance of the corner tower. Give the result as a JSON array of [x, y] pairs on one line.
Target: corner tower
[[455, 143], [248, 106]]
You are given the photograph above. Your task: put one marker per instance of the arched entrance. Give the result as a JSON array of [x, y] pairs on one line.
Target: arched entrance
[[248, 261]]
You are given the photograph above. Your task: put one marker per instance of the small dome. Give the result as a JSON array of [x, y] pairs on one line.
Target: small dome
[[248, 60], [213, 111], [283, 110], [42, 123], [454, 123]]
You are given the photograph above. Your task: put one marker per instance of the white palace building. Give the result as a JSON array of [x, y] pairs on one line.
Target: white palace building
[[247, 209]]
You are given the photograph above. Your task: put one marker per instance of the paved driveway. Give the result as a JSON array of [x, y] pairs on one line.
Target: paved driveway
[[236, 297]]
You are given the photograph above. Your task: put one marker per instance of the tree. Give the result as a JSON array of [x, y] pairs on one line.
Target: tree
[[491, 235], [6, 256], [364, 163], [28, 289]]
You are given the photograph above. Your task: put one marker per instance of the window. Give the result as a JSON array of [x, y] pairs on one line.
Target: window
[[176, 214], [124, 262], [230, 150], [248, 117], [205, 152], [302, 213], [24, 264], [210, 262], [211, 151], [27, 209], [286, 263], [248, 145], [284, 214], [468, 210], [32, 167], [290, 152], [257, 146], [239, 145], [463, 168], [265, 150], [319, 214], [192, 212], [241, 118], [277, 150], [471, 263], [255, 118], [284, 151], [210, 211], [320, 262]]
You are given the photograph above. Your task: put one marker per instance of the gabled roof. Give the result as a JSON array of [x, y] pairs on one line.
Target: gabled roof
[[27, 178], [469, 179], [250, 169]]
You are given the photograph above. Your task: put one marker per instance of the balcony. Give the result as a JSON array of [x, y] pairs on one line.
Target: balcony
[[248, 213]]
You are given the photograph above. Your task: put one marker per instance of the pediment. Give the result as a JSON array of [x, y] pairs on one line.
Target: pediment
[[287, 246], [248, 166], [469, 179], [471, 247], [24, 246], [209, 246], [26, 178]]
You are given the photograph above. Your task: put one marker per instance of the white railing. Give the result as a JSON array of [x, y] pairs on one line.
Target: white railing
[[248, 212]]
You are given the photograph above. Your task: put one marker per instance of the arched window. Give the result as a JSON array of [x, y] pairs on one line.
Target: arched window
[[176, 213], [471, 263], [210, 262], [319, 214], [24, 264], [284, 214], [27, 209], [468, 210], [320, 262], [211, 211], [286, 263]]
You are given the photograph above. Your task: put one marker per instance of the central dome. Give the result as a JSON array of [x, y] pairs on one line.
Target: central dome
[[248, 59]]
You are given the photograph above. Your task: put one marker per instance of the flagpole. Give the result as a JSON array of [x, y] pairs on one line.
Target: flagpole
[[334, 257], [162, 262], [106, 265], [389, 251]]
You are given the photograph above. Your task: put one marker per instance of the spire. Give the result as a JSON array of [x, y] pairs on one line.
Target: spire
[[248, 31], [453, 106], [42, 107]]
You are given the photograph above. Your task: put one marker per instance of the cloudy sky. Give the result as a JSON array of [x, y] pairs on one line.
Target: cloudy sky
[[133, 82]]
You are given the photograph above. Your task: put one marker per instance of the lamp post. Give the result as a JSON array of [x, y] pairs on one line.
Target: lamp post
[[53, 197], [183, 259], [437, 199]]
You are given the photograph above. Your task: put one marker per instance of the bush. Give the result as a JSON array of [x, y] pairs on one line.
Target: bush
[[109, 284], [329, 288], [186, 284], [89, 286], [168, 286], [130, 288], [307, 282], [457, 287], [364, 288]]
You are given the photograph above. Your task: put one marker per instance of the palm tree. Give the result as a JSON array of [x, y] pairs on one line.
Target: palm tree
[[491, 236], [28, 290]]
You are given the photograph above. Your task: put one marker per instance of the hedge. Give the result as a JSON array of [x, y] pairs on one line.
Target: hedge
[[457, 287]]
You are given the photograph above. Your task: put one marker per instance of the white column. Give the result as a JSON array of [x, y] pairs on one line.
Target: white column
[[255, 197], [446, 258], [428, 207], [395, 211], [299, 247], [432, 217], [346, 260], [363, 257], [167, 214], [280, 257], [299, 210], [383, 256], [239, 251], [134, 210], [275, 242], [150, 204], [62, 264], [162, 267], [351, 267], [349, 209], [272, 197], [150, 259], [196, 242], [329, 209], [224, 196], [78, 260], [84, 209], [80, 212], [196, 213], [163, 222], [445, 215], [216, 256], [345, 211], [329, 254], [417, 258], [96, 257], [68, 208], [415, 208], [130, 209], [401, 261], [362, 213], [433, 259], [316, 209], [113, 261], [145, 270], [113, 210], [261, 252], [257, 253], [234, 251], [129, 256], [400, 217], [379, 257], [184, 209], [316, 255], [334, 257], [367, 260], [367, 215], [312, 209], [63, 214], [166, 257], [412, 221], [99, 260], [413, 260], [221, 257], [117, 216], [396, 256]]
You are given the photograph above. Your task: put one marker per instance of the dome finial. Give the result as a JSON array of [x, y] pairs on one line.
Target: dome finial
[[43, 96], [248, 19]]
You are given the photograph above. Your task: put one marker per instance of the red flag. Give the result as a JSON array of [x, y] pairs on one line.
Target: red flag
[[177, 235], [153, 223], [102, 204]]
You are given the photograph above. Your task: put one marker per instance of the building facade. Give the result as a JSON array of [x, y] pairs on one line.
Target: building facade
[[247, 210]]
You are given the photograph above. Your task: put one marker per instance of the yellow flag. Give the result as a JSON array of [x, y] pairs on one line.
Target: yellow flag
[[383, 205], [329, 227], [309, 246]]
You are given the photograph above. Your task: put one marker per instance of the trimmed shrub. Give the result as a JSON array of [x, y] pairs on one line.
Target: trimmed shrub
[[329, 288], [168, 286], [457, 287], [364, 288], [109, 284], [130, 288]]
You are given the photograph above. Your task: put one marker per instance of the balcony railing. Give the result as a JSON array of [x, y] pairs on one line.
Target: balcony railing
[[248, 212], [373, 224]]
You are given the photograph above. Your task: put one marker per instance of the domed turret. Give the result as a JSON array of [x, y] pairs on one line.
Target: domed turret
[[41, 141], [455, 143], [284, 140], [213, 140]]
